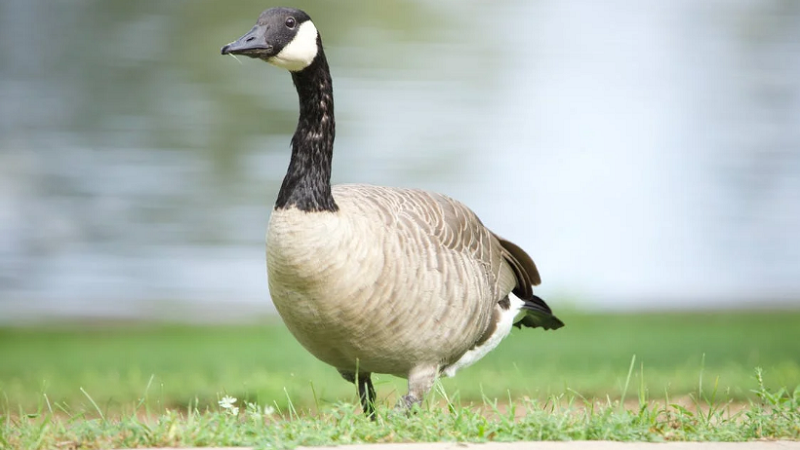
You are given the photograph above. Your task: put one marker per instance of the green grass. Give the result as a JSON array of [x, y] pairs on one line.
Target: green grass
[[263, 362], [774, 415], [138, 385]]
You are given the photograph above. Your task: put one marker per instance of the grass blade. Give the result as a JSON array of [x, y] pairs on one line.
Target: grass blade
[[627, 383]]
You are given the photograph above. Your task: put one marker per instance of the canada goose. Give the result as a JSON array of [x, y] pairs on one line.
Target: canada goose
[[376, 279]]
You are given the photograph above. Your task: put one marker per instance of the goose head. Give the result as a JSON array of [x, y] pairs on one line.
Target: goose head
[[284, 37]]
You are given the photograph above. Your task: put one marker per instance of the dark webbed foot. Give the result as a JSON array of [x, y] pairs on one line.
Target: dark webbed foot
[[365, 390], [366, 393], [408, 402]]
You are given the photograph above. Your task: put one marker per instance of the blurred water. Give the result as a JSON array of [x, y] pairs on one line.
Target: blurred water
[[647, 154]]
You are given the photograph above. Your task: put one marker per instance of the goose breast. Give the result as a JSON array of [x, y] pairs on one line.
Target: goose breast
[[394, 278]]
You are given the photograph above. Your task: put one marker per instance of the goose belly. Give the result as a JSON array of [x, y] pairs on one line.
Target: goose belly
[[350, 298]]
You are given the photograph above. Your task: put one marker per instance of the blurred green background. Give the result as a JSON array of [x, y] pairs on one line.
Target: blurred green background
[[705, 355], [646, 154]]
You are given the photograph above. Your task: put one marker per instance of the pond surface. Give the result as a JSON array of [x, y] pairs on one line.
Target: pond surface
[[646, 154]]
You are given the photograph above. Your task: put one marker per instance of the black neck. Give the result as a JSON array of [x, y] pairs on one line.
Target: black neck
[[307, 185]]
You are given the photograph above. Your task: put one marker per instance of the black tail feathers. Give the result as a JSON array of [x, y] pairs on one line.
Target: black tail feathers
[[538, 314]]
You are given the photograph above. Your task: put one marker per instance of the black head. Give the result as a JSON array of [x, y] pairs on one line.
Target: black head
[[285, 37]]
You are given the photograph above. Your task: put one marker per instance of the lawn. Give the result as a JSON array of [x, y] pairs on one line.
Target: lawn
[[144, 376]]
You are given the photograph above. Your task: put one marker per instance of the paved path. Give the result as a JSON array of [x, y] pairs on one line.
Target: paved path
[[572, 445]]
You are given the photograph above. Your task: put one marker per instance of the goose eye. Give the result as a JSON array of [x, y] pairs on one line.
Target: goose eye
[[290, 22]]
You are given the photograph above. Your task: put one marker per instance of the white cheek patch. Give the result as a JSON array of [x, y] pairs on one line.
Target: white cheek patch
[[301, 51]]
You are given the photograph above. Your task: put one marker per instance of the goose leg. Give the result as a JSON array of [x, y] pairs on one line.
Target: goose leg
[[420, 382], [365, 390]]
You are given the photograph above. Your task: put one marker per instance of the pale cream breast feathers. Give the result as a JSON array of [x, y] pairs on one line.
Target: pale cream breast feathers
[[387, 253]]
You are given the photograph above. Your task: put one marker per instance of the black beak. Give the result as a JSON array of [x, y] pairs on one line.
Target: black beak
[[251, 44]]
